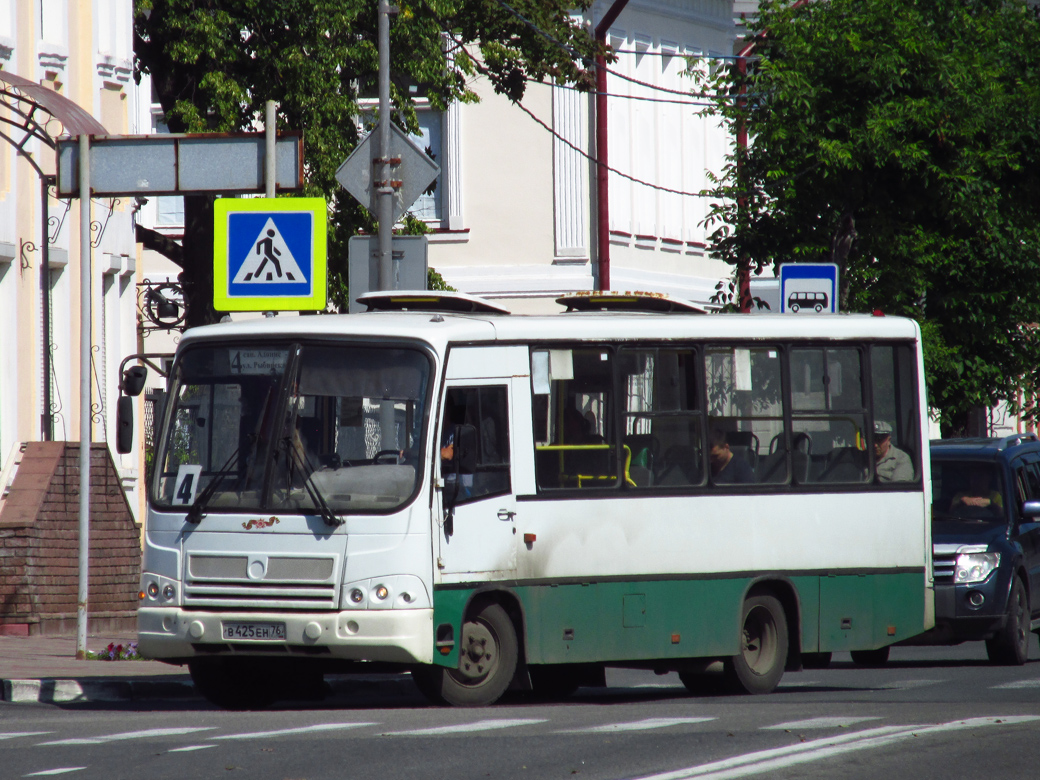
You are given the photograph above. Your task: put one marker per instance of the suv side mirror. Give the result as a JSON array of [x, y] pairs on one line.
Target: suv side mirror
[[1031, 509]]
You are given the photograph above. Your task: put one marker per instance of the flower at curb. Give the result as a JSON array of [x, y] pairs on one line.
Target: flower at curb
[[114, 652]]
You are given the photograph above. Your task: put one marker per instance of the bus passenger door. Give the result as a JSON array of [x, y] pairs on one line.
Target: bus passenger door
[[477, 536]]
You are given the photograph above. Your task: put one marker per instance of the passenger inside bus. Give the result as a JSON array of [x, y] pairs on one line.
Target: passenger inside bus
[[891, 464], [726, 466]]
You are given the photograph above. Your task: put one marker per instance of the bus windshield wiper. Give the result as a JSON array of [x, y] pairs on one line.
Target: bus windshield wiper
[[312, 489], [198, 506]]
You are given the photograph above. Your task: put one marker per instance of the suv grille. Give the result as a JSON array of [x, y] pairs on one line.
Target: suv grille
[[259, 582], [944, 560]]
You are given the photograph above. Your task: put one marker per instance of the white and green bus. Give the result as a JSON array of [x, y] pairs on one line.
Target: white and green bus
[[496, 501]]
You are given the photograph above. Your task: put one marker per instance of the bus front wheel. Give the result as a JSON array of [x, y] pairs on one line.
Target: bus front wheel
[[759, 665], [488, 656]]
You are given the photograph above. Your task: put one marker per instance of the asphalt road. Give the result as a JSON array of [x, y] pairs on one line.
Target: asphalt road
[[929, 713]]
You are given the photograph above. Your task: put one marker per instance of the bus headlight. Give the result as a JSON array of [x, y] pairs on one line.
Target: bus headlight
[[975, 567], [357, 595]]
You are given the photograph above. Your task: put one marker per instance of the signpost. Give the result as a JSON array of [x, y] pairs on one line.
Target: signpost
[[409, 266], [809, 288], [269, 254]]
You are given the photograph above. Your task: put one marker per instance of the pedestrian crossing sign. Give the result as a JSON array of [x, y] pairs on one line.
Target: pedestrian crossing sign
[[269, 254]]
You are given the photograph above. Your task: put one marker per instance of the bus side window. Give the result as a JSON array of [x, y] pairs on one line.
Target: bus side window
[[575, 432], [663, 417], [892, 371], [486, 409], [746, 437]]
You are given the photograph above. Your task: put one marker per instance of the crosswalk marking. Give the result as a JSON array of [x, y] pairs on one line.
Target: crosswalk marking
[[60, 771], [1035, 683], [299, 730], [189, 748], [638, 725], [14, 734], [817, 723], [775, 759], [146, 734], [901, 685], [465, 728]]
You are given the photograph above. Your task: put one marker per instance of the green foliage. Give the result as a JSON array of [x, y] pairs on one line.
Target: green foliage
[[899, 140], [214, 64]]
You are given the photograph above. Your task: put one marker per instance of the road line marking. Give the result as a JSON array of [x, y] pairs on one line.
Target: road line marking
[[804, 752], [300, 730], [128, 735], [62, 771], [465, 728], [1035, 683], [14, 734], [637, 725], [817, 723], [189, 748]]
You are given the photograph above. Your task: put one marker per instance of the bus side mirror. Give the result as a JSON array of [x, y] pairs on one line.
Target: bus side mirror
[[466, 448], [124, 424], [133, 380]]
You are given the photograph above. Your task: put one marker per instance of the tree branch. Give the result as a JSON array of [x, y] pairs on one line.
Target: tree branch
[[164, 245]]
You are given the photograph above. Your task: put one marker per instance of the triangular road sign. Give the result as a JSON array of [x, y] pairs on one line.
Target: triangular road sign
[[269, 260]]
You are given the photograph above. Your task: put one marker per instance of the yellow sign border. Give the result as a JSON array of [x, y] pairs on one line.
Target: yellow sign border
[[316, 301]]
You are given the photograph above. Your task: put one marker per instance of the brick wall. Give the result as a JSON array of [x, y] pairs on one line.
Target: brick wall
[[39, 545]]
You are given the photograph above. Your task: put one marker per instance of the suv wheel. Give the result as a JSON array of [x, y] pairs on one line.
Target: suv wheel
[[1011, 644]]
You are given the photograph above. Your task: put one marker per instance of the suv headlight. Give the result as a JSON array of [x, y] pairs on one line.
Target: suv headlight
[[975, 567]]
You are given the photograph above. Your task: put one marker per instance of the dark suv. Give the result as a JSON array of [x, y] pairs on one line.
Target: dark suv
[[986, 543]]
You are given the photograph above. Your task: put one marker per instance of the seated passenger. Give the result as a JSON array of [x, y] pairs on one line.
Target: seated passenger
[[727, 467], [891, 464]]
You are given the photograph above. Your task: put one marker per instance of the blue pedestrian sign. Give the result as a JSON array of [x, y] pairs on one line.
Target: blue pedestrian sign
[[808, 288], [269, 254]]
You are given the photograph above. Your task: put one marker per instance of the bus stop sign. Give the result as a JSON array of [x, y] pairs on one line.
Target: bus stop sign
[[808, 288]]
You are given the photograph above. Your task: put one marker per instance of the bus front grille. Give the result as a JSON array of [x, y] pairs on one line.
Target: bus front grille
[[245, 582]]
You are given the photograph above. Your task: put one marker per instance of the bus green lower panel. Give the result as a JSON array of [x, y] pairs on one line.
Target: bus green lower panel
[[691, 618]]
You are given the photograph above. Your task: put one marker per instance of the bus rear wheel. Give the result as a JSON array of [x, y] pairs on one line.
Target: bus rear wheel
[[488, 656], [759, 665]]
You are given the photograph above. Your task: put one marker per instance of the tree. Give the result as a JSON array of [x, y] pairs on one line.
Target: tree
[[214, 64], [900, 140]]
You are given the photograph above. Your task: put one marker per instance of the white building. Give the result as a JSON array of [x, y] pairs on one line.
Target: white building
[[516, 214], [67, 67]]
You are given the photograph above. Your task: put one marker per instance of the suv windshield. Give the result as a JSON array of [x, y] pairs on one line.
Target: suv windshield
[[967, 491], [284, 428]]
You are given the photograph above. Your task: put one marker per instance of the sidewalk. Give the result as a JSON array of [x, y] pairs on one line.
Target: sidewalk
[[45, 669]]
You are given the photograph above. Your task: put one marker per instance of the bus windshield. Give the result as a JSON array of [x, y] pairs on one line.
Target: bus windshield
[[287, 428]]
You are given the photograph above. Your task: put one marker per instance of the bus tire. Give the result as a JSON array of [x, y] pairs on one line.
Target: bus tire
[[759, 665], [245, 684], [1010, 646], [488, 656]]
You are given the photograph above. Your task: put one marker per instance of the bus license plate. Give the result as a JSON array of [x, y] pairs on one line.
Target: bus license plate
[[254, 630]]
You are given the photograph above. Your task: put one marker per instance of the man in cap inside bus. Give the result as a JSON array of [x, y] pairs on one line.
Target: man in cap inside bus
[[891, 464]]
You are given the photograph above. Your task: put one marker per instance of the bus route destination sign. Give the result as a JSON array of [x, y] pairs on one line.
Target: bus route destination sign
[[269, 254]]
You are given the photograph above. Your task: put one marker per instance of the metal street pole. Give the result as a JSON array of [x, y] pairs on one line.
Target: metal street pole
[[383, 187], [270, 136], [84, 396]]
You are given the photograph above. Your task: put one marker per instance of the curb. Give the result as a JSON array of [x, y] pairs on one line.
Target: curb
[[67, 691], [51, 690]]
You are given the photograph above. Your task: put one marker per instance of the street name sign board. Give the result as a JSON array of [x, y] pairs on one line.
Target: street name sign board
[[409, 178], [808, 288], [269, 254], [180, 164]]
